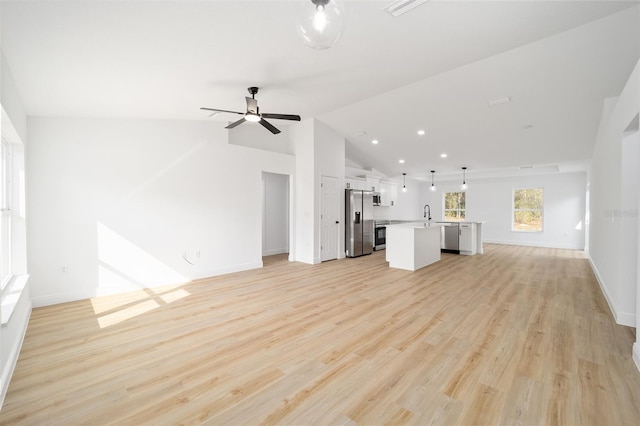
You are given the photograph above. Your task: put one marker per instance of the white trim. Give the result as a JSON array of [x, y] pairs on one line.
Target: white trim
[[12, 359], [57, 298], [533, 244], [636, 354], [621, 318], [227, 270], [271, 252], [11, 295]]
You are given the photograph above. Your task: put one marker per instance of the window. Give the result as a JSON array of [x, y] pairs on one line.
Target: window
[[5, 213], [527, 210], [454, 206]]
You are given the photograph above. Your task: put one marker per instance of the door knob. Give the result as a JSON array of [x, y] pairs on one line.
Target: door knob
[[337, 221]]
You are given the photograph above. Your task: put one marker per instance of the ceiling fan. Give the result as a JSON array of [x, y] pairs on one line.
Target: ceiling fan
[[253, 114]]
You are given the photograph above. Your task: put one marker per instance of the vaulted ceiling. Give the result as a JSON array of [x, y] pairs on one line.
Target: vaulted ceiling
[[434, 68]]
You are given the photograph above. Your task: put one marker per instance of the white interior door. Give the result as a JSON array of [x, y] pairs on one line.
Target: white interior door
[[329, 218]]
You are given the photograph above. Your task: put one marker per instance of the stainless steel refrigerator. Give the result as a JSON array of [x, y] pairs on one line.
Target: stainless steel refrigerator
[[358, 222]]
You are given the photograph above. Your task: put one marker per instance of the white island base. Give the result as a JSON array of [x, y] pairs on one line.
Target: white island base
[[412, 246]]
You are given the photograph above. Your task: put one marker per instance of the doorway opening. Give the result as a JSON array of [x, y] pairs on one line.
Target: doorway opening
[[275, 218]]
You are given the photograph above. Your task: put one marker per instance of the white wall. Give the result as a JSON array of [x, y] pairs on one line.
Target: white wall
[[303, 138], [275, 226], [491, 200], [329, 160], [612, 222], [319, 152], [611, 226], [116, 205]]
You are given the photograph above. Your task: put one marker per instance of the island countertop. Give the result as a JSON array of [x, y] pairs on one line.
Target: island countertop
[[413, 245], [417, 224]]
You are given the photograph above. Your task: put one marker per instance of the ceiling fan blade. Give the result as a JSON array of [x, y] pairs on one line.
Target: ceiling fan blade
[[269, 126], [282, 116], [252, 105], [236, 123], [221, 110]]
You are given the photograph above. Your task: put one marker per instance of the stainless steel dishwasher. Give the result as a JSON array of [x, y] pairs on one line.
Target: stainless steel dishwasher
[[450, 238]]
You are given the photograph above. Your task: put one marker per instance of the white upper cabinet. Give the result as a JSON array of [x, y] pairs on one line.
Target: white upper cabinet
[[372, 183], [388, 194], [354, 183]]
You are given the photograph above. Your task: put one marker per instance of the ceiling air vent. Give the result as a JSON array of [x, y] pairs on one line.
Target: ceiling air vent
[[400, 7], [499, 101]]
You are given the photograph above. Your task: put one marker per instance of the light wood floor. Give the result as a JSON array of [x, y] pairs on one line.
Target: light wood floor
[[518, 335]]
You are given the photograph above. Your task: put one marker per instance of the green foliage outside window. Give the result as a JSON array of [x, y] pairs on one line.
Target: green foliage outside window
[[454, 206], [527, 210]]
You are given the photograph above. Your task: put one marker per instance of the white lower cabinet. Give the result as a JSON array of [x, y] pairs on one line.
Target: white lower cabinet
[[467, 238]]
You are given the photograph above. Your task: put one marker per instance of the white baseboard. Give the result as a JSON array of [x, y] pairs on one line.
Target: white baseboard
[[227, 270], [57, 298], [73, 296], [621, 318], [624, 318], [636, 354], [271, 252], [528, 244]]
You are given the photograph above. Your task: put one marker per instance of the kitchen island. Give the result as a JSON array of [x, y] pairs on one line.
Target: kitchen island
[[413, 245]]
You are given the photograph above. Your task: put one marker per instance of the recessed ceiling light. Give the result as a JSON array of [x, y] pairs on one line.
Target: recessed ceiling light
[[421, 132], [375, 141], [401, 161], [443, 155]]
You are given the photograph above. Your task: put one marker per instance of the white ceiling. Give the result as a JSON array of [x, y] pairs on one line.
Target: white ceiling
[[433, 68]]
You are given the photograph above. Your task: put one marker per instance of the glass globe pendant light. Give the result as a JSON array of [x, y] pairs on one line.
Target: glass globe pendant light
[[433, 187], [404, 182], [321, 23], [464, 179]]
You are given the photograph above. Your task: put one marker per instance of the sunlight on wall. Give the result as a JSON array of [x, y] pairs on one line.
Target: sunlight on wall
[[126, 267], [579, 226]]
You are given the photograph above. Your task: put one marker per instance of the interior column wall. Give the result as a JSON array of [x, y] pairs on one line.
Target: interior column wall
[[609, 220]]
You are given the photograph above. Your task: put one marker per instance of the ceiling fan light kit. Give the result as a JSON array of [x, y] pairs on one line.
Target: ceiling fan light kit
[[321, 23], [253, 114]]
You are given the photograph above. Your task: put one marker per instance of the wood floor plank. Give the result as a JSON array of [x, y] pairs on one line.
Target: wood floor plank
[[518, 335]]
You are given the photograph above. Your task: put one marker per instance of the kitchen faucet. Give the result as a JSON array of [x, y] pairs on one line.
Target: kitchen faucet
[[426, 206]]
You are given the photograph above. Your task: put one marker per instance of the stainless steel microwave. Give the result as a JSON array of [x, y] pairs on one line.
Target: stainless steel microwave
[[376, 198]]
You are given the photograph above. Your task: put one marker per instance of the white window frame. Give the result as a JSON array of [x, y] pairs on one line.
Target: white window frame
[[514, 210], [6, 243], [445, 210]]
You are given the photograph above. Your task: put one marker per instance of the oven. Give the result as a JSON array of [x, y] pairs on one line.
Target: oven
[[380, 235]]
